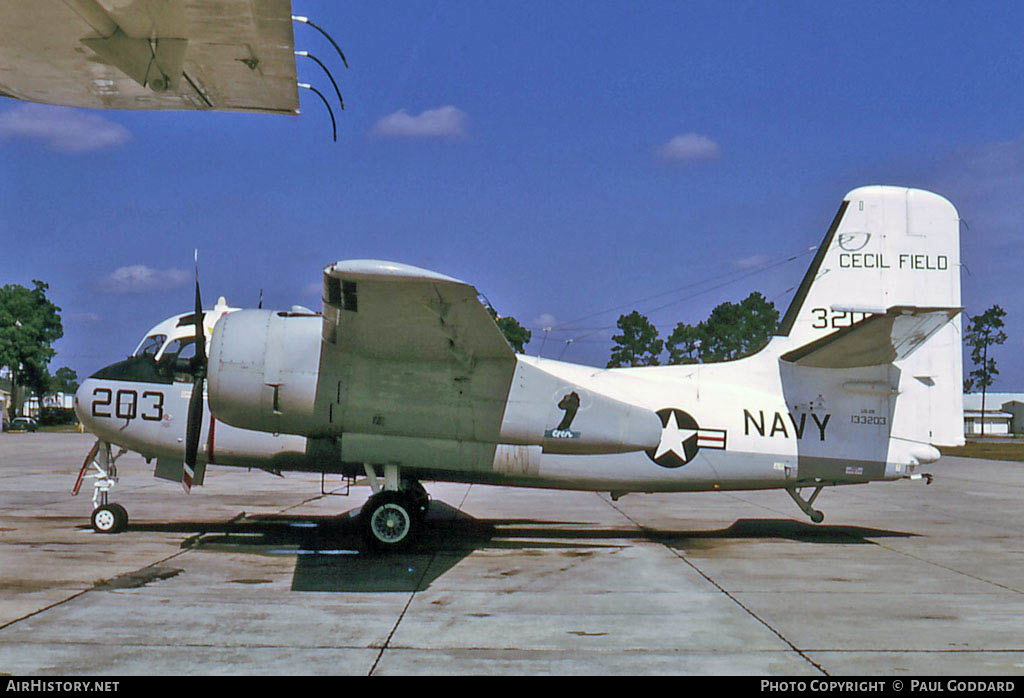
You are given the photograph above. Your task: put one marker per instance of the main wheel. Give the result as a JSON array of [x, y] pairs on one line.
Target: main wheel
[[420, 498], [389, 521], [109, 518]]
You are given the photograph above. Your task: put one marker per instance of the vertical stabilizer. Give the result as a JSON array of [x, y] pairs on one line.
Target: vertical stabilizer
[[889, 247]]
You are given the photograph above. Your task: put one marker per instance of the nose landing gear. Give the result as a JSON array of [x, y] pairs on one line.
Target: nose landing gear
[[107, 517]]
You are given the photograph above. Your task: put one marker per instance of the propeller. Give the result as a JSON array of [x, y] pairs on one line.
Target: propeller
[[195, 403]]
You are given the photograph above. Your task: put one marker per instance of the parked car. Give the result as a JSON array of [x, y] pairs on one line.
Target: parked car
[[23, 424]]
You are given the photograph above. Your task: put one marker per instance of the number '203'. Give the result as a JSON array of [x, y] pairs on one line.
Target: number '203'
[[126, 404]]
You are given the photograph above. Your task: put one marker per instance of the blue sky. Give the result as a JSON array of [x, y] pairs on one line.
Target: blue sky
[[566, 158]]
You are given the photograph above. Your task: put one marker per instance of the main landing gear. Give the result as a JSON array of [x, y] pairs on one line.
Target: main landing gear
[[107, 516], [805, 504], [393, 516]]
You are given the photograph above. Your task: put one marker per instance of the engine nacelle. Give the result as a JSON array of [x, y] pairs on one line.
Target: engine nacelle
[[263, 367]]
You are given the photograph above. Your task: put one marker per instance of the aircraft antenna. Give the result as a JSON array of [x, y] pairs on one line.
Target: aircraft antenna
[[306, 20], [334, 124], [307, 54], [543, 342]]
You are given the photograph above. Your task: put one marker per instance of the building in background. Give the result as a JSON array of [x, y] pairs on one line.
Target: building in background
[[1004, 414], [5, 400]]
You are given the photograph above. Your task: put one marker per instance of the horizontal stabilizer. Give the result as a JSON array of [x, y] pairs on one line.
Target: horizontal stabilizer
[[878, 339]]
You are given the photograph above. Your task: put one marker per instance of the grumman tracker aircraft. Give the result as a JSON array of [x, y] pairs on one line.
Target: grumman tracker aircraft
[[404, 377]]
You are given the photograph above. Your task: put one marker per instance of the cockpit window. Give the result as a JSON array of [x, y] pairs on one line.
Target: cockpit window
[[184, 348], [151, 345], [177, 358]]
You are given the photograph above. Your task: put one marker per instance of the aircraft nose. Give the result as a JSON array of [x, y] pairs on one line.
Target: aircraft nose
[[82, 402]]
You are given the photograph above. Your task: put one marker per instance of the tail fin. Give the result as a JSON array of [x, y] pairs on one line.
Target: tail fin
[[889, 247]]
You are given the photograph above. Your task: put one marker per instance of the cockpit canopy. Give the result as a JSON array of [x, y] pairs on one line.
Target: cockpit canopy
[[166, 354]]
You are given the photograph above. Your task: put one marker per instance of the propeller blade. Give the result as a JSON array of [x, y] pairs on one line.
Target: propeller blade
[[192, 430], [200, 334], [194, 426]]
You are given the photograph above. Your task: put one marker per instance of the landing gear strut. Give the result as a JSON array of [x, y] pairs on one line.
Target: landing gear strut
[[805, 504], [393, 517], [107, 516]]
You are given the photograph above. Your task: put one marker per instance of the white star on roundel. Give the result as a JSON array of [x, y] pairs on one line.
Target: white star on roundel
[[672, 438], [678, 443]]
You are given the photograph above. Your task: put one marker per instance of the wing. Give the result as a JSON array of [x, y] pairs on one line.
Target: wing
[[234, 55], [392, 311], [410, 351], [878, 339]]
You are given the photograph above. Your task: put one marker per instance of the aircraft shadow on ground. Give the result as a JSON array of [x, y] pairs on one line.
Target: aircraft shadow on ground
[[330, 555]]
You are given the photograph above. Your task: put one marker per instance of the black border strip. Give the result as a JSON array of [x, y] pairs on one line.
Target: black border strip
[[812, 272]]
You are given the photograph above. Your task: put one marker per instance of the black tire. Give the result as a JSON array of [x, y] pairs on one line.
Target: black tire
[[123, 514], [389, 521], [109, 518], [420, 499]]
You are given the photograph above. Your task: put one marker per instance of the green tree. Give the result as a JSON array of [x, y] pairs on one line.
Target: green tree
[[638, 344], [38, 381], [984, 331], [29, 325], [515, 334], [684, 344], [732, 331], [65, 380]]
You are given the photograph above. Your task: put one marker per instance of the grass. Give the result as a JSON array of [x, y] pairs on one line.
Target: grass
[[62, 429], [989, 449]]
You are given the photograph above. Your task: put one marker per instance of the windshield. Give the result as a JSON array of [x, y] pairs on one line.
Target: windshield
[[151, 345], [177, 358]]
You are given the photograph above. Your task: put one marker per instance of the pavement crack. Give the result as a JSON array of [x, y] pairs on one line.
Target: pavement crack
[[140, 572], [387, 642], [647, 534]]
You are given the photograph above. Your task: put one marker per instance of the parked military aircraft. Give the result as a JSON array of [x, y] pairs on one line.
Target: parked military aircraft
[[404, 377]]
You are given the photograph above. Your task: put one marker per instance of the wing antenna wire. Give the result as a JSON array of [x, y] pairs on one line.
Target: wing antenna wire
[[307, 54], [306, 20], [334, 124]]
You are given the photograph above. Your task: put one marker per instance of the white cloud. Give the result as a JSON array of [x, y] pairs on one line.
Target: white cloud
[[545, 320], [752, 261], [443, 122], [61, 128], [688, 147], [138, 278]]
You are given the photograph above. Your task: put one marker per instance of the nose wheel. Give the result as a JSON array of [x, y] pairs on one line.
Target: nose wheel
[[107, 517]]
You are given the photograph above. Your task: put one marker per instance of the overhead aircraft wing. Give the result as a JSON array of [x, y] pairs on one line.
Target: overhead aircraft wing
[[410, 351], [878, 339], [234, 55]]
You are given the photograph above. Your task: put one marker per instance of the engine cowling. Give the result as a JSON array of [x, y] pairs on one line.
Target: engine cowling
[[263, 368]]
